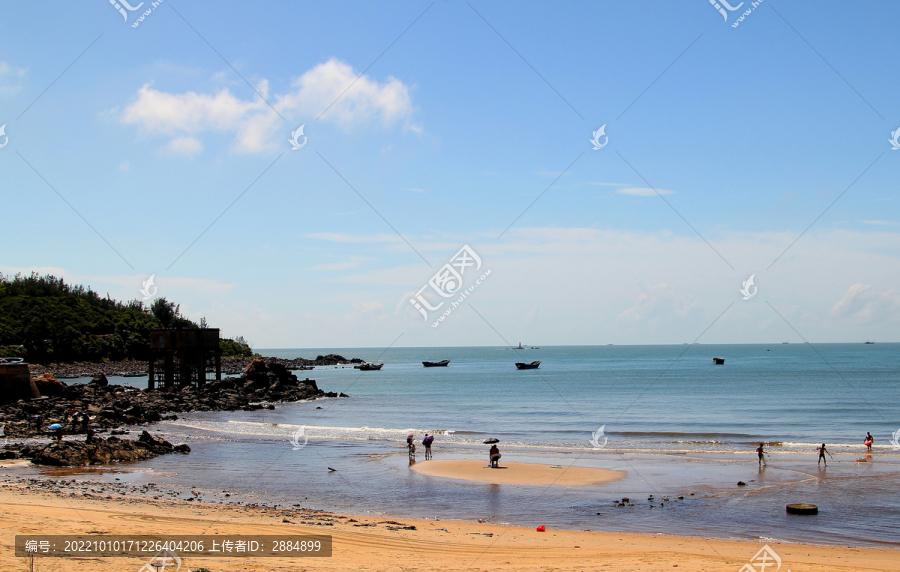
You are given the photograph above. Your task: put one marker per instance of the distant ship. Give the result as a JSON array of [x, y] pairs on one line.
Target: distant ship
[[869, 342], [369, 366], [785, 343]]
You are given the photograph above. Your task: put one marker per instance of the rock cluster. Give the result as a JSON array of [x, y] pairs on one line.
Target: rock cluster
[[111, 406], [87, 369], [100, 451]]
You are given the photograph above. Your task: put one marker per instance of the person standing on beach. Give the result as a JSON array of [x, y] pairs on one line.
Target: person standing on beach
[[822, 451], [760, 452], [869, 441], [427, 441]]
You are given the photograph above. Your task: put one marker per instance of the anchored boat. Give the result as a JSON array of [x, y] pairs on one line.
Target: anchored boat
[[442, 363], [533, 365]]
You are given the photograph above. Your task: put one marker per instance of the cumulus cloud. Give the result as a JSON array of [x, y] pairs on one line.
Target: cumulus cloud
[[254, 123], [643, 191], [184, 146], [659, 304], [862, 304], [361, 99], [11, 79]]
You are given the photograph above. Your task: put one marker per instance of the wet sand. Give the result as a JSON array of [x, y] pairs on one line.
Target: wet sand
[[373, 543], [517, 473]]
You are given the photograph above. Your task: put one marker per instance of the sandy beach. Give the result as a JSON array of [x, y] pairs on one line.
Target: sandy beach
[[533, 474], [368, 543]]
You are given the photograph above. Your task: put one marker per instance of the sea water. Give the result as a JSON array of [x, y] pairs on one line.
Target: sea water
[[675, 422]]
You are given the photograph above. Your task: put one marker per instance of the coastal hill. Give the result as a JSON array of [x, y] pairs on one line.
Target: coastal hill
[[43, 319]]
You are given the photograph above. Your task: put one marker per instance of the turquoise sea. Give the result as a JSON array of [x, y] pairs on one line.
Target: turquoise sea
[[674, 421]]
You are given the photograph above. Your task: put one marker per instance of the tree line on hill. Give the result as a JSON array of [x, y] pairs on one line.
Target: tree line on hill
[[45, 320]]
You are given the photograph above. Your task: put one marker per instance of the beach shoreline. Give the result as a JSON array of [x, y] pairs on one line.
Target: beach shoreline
[[369, 542]]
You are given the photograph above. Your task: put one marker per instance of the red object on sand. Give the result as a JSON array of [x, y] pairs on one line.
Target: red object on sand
[[542, 528]]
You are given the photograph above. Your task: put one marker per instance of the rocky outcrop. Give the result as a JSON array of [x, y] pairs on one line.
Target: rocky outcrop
[[87, 369], [49, 385], [111, 406], [102, 451]]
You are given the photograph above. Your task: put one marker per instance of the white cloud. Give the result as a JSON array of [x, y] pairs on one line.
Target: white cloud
[[414, 190], [124, 166], [184, 146], [881, 222], [11, 79], [863, 305], [643, 192], [659, 304], [255, 125], [348, 97]]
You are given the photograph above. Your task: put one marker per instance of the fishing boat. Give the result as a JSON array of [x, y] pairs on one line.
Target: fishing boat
[[868, 343], [442, 363], [718, 360], [533, 365], [369, 366]]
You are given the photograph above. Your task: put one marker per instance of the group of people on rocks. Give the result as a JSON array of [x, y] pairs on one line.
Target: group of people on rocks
[[78, 422]]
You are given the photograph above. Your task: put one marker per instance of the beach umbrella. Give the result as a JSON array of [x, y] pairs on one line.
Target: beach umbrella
[[491, 441], [55, 426]]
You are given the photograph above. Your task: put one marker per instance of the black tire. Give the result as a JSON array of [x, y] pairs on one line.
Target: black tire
[[802, 508]]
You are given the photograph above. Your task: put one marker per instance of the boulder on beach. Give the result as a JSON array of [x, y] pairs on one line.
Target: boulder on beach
[[100, 451], [49, 385]]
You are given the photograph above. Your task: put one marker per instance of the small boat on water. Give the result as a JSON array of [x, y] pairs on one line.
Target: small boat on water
[[718, 360], [869, 343], [442, 363], [533, 365], [369, 366]]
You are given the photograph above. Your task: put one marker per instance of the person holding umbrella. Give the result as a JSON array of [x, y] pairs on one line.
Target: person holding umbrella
[[59, 431]]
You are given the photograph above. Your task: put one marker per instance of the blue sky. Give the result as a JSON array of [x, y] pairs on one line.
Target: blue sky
[[749, 133]]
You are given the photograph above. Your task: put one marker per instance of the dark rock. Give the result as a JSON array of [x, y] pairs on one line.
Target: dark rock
[[182, 448], [265, 381], [99, 451], [741, 484]]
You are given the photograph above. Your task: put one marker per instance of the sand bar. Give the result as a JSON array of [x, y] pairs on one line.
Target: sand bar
[[435, 545], [518, 473]]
